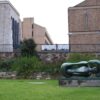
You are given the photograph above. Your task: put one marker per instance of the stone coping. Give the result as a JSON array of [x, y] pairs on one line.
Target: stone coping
[[80, 78]]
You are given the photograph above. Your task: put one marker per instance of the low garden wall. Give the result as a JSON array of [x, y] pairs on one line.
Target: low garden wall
[[35, 75], [8, 75]]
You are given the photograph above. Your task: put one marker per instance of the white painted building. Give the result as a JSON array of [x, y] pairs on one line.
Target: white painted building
[[10, 27]]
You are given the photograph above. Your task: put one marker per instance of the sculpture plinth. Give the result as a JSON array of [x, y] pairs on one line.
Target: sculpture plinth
[[76, 82]]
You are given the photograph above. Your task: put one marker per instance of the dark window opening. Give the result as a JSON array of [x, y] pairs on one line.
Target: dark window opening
[[32, 33], [86, 21], [32, 26], [15, 33]]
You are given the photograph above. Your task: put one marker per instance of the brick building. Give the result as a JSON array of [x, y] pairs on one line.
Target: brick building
[[84, 26], [10, 27], [39, 34]]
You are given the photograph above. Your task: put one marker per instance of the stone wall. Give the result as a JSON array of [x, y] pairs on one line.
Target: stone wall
[[8, 75], [52, 57], [35, 75]]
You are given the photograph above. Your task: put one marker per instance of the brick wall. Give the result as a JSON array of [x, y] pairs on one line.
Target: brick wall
[[84, 19], [84, 26], [84, 42]]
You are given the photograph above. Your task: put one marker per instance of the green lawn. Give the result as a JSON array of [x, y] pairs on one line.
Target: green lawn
[[50, 90]]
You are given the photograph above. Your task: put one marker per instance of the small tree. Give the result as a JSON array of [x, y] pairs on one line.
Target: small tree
[[28, 48]]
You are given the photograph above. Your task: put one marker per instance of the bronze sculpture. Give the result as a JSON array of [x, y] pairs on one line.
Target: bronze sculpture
[[81, 69]]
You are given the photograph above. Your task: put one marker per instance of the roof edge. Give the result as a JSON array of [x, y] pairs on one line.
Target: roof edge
[[8, 2]]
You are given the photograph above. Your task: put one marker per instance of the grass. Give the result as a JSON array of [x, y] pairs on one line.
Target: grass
[[50, 90]]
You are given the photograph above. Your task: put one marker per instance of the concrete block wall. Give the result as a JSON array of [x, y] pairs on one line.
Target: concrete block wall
[[6, 12], [27, 28], [39, 34]]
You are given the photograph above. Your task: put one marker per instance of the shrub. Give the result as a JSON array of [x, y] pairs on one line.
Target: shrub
[[75, 57], [5, 65], [51, 68], [25, 66], [28, 48]]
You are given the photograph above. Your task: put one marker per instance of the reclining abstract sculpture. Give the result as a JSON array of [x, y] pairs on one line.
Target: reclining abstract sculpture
[[82, 69]]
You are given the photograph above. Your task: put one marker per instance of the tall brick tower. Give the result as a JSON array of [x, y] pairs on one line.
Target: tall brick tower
[[84, 26]]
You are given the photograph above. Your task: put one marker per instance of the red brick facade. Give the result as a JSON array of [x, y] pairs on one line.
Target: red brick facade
[[84, 25]]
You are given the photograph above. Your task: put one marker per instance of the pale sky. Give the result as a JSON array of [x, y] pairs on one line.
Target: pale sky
[[51, 14]]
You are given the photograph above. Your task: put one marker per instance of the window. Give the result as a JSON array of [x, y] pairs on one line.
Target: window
[[86, 21], [15, 34], [32, 33], [32, 26]]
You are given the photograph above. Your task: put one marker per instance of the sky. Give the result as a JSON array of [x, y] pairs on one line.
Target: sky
[[51, 14]]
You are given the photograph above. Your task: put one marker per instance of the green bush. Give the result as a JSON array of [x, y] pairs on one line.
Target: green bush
[[28, 48], [75, 57], [25, 66], [5, 65]]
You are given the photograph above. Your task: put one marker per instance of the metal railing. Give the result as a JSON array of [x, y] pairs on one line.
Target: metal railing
[[52, 48], [39, 48], [77, 48], [74, 48]]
